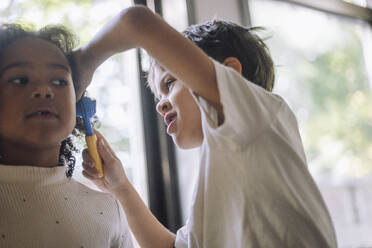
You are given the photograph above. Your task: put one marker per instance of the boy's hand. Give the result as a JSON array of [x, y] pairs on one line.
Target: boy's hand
[[114, 178], [83, 71]]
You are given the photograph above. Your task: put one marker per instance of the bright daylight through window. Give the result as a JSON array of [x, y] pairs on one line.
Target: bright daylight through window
[[321, 70]]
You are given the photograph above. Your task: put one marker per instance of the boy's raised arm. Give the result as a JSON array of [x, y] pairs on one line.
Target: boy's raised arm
[[139, 27]]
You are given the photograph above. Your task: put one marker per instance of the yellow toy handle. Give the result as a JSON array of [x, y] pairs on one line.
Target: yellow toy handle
[[93, 152]]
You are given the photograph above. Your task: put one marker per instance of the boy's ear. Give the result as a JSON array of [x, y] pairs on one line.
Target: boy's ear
[[234, 63]]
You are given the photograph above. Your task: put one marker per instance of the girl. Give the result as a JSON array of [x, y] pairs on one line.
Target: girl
[[41, 205]]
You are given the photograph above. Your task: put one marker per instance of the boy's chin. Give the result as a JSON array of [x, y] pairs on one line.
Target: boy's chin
[[186, 144]]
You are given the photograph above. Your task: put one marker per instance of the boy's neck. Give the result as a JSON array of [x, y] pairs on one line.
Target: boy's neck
[[40, 157]]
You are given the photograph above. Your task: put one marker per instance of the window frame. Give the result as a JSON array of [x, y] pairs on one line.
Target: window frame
[[337, 7], [163, 193]]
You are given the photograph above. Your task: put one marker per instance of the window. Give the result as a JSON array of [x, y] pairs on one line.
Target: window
[[175, 13], [362, 3], [321, 67]]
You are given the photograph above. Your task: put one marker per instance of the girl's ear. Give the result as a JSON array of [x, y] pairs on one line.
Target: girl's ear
[[234, 63]]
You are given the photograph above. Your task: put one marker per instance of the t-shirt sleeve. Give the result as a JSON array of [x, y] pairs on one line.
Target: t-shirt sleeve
[[248, 109], [181, 238]]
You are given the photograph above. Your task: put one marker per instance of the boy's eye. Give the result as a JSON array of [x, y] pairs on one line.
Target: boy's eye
[[168, 83], [59, 82], [19, 80]]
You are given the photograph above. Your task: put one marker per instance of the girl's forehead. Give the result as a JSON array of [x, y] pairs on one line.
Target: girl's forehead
[[32, 49]]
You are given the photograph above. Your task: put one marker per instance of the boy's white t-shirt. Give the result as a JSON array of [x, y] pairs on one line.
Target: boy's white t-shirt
[[253, 187]]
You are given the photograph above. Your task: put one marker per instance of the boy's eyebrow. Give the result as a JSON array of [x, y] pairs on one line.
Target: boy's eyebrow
[[53, 65], [163, 76]]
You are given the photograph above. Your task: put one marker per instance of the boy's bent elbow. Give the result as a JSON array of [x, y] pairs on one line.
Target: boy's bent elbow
[[136, 11], [136, 19]]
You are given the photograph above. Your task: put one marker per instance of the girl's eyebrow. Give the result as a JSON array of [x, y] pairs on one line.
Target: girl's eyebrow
[[15, 64], [56, 65], [53, 65]]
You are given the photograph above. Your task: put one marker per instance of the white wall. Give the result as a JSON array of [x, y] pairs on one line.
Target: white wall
[[206, 10]]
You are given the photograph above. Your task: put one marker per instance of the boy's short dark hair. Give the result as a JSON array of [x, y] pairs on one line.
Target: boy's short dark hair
[[222, 39], [66, 41]]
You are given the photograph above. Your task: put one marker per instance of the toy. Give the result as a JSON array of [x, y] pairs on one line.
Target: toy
[[86, 108]]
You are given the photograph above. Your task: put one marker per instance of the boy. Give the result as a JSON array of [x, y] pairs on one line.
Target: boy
[[253, 188]]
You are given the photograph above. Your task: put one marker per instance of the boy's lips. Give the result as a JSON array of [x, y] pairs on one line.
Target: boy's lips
[[169, 117]]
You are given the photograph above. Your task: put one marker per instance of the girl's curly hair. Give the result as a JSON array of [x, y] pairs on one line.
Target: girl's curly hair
[[66, 41]]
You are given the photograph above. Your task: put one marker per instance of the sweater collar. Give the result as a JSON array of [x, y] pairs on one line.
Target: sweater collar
[[33, 174]]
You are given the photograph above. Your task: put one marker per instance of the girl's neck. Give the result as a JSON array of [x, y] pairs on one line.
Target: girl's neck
[[13, 154]]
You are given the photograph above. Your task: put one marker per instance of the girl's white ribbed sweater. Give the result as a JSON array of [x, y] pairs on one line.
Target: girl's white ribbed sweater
[[41, 207]]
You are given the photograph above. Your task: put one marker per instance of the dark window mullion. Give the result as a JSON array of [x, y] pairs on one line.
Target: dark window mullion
[[337, 7], [169, 166], [160, 155]]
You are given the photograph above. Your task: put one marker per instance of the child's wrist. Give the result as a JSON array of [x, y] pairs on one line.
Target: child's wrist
[[122, 190]]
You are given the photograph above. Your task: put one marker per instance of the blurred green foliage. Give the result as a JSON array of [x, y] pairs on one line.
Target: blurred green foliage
[[337, 94]]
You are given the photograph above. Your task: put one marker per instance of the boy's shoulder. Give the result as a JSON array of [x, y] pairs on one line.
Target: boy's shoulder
[[249, 110]]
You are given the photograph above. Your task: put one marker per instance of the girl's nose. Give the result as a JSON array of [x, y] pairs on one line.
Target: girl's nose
[[43, 92], [163, 107]]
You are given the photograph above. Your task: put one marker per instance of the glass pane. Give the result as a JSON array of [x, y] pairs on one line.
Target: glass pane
[[115, 84], [321, 71], [175, 13], [362, 3]]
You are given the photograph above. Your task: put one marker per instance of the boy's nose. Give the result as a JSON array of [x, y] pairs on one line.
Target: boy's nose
[[43, 92], [163, 106]]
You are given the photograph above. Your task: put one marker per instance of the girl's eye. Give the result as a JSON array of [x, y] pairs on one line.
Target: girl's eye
[[19, 80], [59, 82]]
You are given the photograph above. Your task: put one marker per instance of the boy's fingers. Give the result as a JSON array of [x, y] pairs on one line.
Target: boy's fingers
[[87, 158], [101, 138], [89, 165], [105, 151], [89, 176], [92, 172]]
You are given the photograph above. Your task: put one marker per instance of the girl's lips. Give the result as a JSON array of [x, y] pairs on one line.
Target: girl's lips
[[42, 113]]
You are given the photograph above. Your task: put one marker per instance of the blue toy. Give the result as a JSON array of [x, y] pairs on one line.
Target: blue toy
[[86, 108]]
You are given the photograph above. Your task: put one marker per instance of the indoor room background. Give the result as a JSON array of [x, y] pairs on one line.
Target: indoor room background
[[322, 50]]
